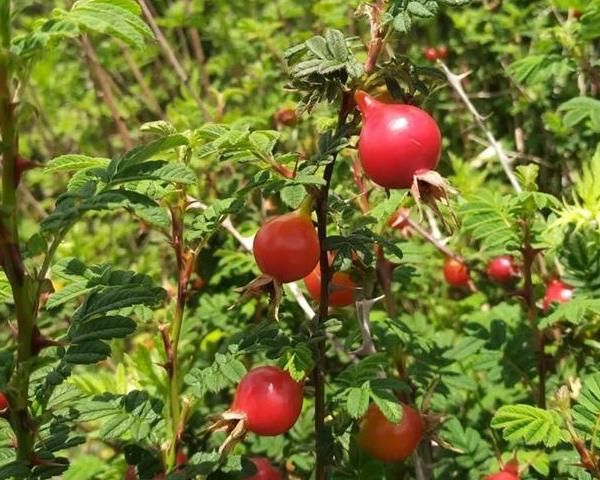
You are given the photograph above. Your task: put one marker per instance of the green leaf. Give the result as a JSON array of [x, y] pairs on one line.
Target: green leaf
[[87, 353], [578, 311], [419, 10], [111, 299], [318, 46], [586, 413], [358, 401], [68, 293], [156, 170], [72, 162], [389, 406], [529, 424], [579, 109], [336, 44], [116, 18], [105, 328], [293, 195], [402, 22]]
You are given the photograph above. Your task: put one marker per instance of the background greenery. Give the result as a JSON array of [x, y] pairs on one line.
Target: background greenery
[[534, 79]]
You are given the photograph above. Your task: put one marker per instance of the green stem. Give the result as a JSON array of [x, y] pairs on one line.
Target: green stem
[[10, 253]]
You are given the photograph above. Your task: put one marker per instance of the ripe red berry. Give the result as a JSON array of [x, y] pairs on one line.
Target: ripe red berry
[[270, 400], [387, 441], [396, 142], [430, 54], [456, 273], [502, 269], [341, 287], [264, 470], [442, 52], [509, 472], [399, 219], [3, 403], [557, 292], [287, 247]]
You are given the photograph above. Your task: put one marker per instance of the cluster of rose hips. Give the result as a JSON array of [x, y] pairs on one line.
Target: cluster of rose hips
[[504, 270], [434, 54]]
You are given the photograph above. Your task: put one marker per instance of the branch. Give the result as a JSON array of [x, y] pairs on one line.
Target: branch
[[103, 81], [456, 83], [171, 57], [149, 96]]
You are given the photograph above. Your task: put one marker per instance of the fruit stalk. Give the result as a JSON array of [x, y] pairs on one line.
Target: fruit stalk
[[10, 252]]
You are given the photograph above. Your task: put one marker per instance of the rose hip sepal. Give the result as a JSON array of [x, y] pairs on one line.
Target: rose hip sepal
[[267, 402]]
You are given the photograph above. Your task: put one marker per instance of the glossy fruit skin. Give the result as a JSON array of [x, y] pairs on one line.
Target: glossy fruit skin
[[399, 219], [456, 273], [502, 269], [265, 471], [509, 472], [502, 476], [431, 54], [3, 403], [387, 441], [396, 142], [270, 399], [287, 247], [557, 292], [341, 287]]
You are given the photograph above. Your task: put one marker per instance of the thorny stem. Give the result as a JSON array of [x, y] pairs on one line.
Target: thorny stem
[[319, 370], [10, 254], [529, 254], [185, 264]]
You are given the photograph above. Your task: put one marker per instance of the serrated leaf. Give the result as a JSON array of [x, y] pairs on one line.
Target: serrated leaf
[[402, 22], [72, 162], [114, 18], [357, 401], [318, 46], [336, 44], [419, 10], [87, 353], [105, 328], [529, 424], [293, 195]]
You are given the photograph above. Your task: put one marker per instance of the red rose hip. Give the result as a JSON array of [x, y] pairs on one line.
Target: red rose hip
[[396, 142], [3, 403], [287, 247], [387, 441], [456, 273], [557, 292], [509, 472], [502, 269], [264, 470], [269, 399], [431, 54], [341, 287]]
